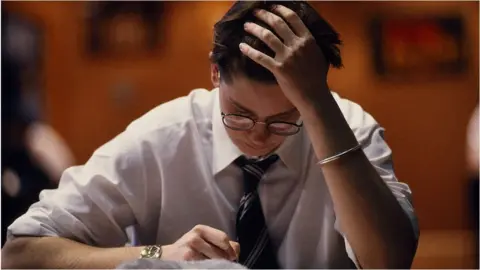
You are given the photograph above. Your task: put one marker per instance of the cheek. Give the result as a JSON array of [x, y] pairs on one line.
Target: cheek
[[276, 140], [236, 135]]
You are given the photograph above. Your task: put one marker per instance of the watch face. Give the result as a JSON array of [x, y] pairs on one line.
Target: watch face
[[151, 252]]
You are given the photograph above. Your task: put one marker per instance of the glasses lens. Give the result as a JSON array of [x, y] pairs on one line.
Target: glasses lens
[[283, 128], [238, 122]]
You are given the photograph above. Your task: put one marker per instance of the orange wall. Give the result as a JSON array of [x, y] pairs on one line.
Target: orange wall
[[425, 121]]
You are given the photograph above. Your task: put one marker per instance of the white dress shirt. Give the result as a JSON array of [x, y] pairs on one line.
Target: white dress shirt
[[172, 169]]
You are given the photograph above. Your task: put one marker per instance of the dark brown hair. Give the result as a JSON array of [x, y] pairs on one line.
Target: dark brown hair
[[229, 33]]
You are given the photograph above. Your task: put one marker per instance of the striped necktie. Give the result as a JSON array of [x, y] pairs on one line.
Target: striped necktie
[[256, 250]]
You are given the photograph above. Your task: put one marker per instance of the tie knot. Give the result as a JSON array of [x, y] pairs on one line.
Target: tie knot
[[254, 170], [263, 164]]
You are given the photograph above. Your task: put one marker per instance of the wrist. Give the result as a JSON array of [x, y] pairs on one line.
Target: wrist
[[151, 252], [308, 96], [322, 104]]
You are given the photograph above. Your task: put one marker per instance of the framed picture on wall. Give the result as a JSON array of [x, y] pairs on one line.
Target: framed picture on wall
[[418, 47], [122, 27]]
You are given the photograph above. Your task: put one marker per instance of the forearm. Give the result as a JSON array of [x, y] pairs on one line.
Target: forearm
[[372, 220], [56, 252]]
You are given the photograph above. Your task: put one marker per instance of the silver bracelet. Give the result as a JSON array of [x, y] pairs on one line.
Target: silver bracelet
[[337, 156]]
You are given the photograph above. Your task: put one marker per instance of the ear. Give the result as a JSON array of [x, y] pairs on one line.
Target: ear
[[215, 75]]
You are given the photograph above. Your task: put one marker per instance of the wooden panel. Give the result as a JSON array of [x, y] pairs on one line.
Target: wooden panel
[[446, 249]]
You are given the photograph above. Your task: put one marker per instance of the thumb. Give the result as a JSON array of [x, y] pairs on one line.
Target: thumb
[[236, 248]]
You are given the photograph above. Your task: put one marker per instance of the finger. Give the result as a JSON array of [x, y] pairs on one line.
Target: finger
[[292, 18], [236, 248], [209, 250], [215, 237], [193, 255], [259, 57], [278, 24], [266, 36]]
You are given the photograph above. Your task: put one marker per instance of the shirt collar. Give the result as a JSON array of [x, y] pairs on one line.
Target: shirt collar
[[291, 152]]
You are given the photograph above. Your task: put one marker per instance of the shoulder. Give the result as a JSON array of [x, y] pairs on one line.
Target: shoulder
[[366, 129], [192, 108], [164, 129], [356, 117]]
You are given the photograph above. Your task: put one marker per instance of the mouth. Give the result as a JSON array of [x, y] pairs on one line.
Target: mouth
[[262, 150], [260, 147]]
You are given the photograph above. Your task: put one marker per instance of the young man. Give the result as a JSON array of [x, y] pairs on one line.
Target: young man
[[267, 169]]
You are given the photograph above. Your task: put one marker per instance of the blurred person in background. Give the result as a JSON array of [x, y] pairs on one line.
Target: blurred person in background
[[328, 196], [33, 154], [472, 169]]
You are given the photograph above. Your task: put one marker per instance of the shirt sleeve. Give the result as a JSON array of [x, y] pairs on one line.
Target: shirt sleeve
[[91, 204], [371, 136]]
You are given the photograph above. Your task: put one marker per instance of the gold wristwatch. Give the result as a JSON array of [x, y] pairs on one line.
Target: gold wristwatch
[[151, 252]]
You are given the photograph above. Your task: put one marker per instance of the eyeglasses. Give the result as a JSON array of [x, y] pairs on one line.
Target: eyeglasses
[[243, 123]]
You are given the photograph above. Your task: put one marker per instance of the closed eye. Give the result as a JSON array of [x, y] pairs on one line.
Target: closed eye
[[243, 113]]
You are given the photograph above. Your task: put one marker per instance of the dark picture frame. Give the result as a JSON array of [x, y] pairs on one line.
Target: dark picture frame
[[123, 27], [407, 46]]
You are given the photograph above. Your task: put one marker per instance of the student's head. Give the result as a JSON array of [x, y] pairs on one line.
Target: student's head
[[248, 89]]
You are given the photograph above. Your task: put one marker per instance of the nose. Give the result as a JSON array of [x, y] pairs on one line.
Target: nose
[[259, 134]]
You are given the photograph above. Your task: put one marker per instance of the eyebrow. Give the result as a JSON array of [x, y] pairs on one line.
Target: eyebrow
[[243, 108]]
